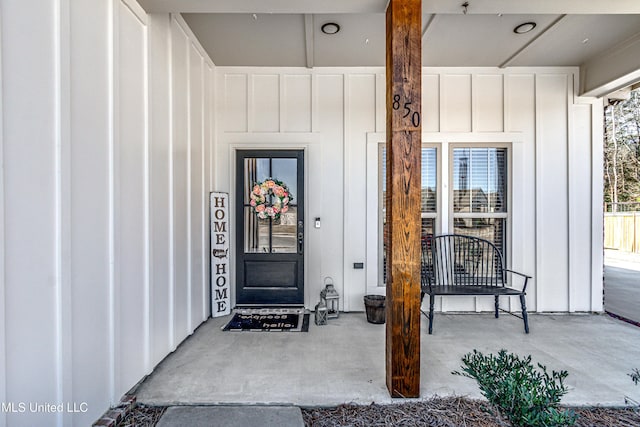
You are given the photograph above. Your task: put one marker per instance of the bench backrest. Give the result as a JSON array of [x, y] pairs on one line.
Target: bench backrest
[[458, 260]]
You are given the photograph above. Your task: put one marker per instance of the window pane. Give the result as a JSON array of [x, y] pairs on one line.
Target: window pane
[[265, 235], [479, 180], [383, 179], [491, 229], [255, 170], [284, 232], [256, 233], [286, 170], [428, 228], [428, 202]]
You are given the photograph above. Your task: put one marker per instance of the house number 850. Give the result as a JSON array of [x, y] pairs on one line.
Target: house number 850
[[415, 115]]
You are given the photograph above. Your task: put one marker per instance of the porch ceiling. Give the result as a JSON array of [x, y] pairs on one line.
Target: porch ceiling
[[285, 33]]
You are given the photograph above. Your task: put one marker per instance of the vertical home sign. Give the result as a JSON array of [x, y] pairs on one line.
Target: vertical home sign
[[220, 300]]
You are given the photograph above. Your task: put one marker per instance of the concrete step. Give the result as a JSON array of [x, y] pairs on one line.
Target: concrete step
[[232, 416]]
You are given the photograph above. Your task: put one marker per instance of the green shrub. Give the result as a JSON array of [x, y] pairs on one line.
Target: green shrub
[[523, 394], [635, 376]]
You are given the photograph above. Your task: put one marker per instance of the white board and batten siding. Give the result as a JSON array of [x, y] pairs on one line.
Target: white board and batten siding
[[338, 117], [31, 209], [104, 247], [105, 202]]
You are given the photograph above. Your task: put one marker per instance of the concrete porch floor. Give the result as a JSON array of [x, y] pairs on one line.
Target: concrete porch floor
[[344, 361]]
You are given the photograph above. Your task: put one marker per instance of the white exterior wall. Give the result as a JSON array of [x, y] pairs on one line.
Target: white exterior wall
[[106, 157], [555, 150], [106, 167]]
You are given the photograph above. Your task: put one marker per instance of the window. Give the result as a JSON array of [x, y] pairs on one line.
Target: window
[[477, 197], [428, 200], [479, 193]]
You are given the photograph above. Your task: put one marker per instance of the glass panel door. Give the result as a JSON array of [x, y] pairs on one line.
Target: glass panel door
[[270, 254]]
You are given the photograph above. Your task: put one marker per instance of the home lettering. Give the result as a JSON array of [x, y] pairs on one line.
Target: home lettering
[[219, 254]]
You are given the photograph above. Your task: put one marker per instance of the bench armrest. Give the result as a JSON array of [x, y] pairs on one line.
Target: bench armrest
[[526, 278]]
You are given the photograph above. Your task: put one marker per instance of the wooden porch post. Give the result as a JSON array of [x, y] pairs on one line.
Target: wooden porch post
[[404, 140]]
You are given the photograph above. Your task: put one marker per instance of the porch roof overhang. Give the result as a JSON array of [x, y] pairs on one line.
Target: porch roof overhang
[[601, 37], [379, 6]]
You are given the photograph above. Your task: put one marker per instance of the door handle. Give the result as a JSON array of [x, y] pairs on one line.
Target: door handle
[[300, 243], [300, 237]]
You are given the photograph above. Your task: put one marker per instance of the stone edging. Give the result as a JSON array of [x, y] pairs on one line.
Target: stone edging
[[115, 415]]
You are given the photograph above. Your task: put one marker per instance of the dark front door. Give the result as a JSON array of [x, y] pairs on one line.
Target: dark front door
[[270, 231]]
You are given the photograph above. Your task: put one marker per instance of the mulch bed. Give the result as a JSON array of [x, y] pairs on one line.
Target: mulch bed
[[448, 411], [143, 416], [452, 412]]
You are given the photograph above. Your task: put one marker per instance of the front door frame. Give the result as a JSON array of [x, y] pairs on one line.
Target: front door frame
[[284, 143]]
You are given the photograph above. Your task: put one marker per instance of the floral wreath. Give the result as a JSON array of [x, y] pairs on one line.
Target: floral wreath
[[270, 198]]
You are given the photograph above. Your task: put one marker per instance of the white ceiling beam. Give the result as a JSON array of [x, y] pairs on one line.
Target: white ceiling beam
[[428, 24], [617, 68], [308, 38], [550, 7], [264, 6], [517, 53]]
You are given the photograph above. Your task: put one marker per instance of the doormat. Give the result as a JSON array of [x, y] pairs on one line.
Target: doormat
[[269, 320]]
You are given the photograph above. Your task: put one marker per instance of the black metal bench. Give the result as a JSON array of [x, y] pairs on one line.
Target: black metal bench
[[453, 264]]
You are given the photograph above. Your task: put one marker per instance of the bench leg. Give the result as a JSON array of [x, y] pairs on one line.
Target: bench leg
[[524, 313], [431, 301], [497, 304]]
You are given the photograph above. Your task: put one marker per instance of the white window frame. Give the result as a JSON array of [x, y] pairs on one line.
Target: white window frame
[[509, 194], [382, 213], [518, 253]]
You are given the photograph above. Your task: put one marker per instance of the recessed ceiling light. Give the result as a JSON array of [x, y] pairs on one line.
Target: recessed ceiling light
[[330, 28], [524, 28]]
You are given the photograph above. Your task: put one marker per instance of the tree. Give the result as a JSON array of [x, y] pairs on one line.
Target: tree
[[622, 151]]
